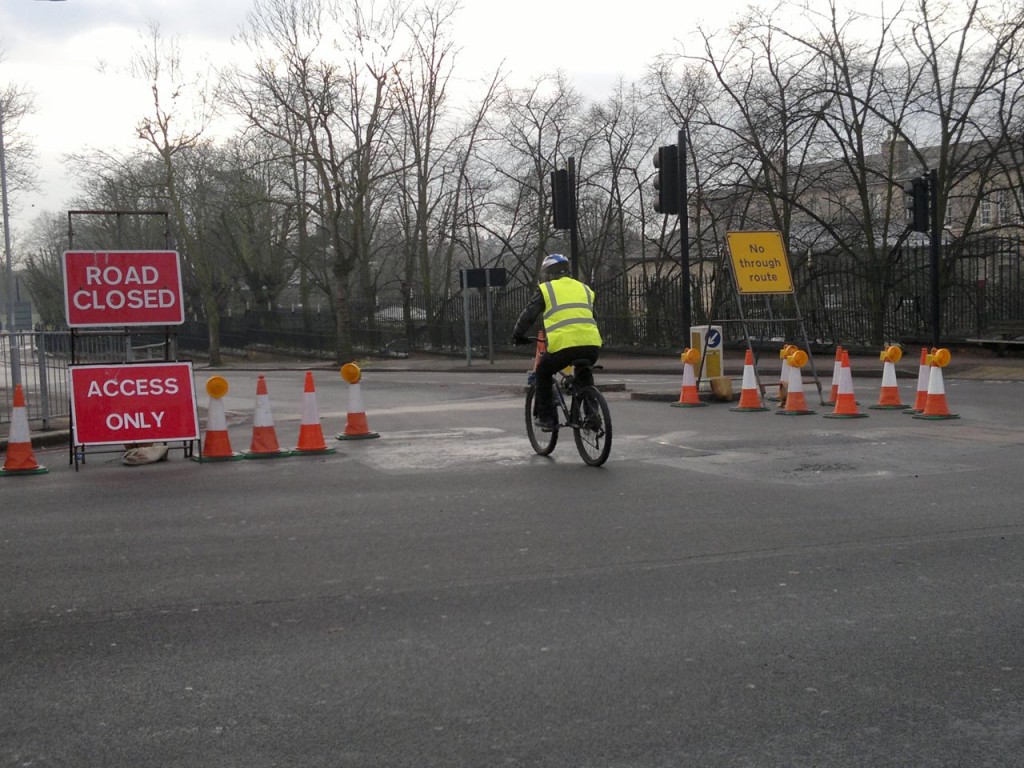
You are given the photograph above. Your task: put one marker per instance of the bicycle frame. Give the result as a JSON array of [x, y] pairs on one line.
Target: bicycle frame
[[581, 409]]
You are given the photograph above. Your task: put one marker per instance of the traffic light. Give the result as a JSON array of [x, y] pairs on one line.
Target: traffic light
[[666, 180], [561, 199], [917, 203]]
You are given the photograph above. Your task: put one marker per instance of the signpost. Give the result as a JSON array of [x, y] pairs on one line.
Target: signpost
[[127, 403], [480, 278], [760, 267]]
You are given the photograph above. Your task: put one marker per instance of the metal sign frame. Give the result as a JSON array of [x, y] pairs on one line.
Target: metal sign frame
[[775, 249]]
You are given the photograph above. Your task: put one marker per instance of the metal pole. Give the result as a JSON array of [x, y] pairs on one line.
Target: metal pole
[[935, 234], [573, 224], [9, 322], [684, 237], [465, 315], [490, 316], [44, 386]]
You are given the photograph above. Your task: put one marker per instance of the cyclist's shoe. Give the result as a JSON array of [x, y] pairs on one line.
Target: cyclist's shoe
[[546, 423]]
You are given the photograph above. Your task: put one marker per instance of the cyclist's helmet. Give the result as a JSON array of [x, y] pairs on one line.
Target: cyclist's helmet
[[555, 265]]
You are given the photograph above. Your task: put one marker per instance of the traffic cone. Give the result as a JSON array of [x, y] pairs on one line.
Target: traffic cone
[[216, 444], [542, 346], [923, 374], [20, 459], [935, 406], [837, 368], [796, 400], [846, 403], [784, 374], [688, 397], [311, 436], [356, 427], [889, 396], [750, 396], [264, 438]]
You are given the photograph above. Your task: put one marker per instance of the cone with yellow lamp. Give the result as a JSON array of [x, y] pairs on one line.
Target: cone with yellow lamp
[[311, 436], [923, 371], [20, 458], [889, 396], [750, 393], [796, 400], [216, 444], [784, 374], [935, 406], [688, 397], [837, 370], [846, 402], [356, 427], [264, 437]]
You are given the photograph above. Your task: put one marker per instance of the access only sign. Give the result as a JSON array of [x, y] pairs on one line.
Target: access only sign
[[104, 288], [135, 403]]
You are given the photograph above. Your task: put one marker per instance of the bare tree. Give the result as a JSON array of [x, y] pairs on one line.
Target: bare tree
[[174, 136], [534, 130], [257, 224], [44, 268], [434, 154], [325, 68], [19, 153]]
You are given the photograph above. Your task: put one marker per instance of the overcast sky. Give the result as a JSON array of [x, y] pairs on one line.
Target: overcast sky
[[72, 54]]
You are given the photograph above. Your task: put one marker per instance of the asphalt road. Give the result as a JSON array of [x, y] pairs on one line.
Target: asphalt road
[[729, 590]]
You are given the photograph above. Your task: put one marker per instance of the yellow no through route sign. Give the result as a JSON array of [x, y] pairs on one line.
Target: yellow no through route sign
[[759, 262]]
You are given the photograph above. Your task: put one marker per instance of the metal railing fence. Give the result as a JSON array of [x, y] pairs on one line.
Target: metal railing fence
[[43, 358], [842, 300]]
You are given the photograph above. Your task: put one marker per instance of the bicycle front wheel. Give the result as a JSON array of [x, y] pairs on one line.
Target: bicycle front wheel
[[542, 442], [592, 426]]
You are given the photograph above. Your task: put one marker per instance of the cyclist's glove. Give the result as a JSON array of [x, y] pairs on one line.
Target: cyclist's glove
[[518, 339]]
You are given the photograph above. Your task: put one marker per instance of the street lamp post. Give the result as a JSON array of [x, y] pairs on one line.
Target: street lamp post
[[9, 322]]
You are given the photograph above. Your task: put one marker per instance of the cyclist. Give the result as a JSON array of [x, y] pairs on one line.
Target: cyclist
[[571, 331]]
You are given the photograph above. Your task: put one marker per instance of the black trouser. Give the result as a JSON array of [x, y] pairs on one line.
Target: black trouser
[[552, 362]]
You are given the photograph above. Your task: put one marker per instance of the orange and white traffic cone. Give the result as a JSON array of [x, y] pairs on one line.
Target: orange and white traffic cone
[[846, 403], [356, 427], [264, 437], [837, 369], [542, 346], [889, 396], [784, 374], [750, 394], [311, 436], [923, 374], [688, 397], [20, 458], [935, 406], [216, 443], [796, 400]]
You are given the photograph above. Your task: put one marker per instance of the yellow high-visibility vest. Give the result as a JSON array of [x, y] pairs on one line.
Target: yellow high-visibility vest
[[569, 315]]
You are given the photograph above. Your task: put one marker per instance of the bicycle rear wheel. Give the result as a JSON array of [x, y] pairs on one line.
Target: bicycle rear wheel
[[542, 442], [592, 426]]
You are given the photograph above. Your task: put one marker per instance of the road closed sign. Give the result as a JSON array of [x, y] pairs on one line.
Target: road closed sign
[[103, 288], [135, 403], [759, 262]]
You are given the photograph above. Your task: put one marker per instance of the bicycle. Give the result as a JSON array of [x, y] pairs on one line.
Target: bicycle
[[582, 409]]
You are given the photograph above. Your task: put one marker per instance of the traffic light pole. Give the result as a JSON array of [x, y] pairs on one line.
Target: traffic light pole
[[684, 235], [574, 227], [935, 235]]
